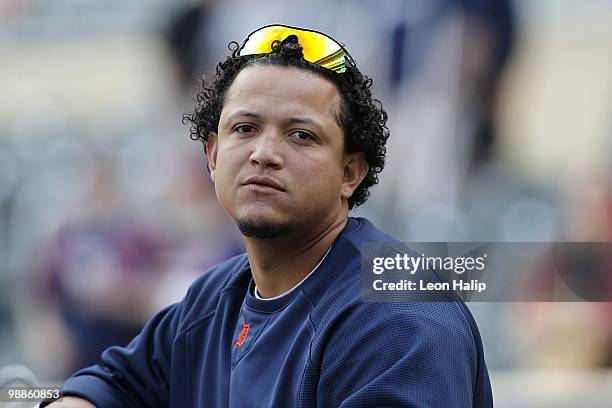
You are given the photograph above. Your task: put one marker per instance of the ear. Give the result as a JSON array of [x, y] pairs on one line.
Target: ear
[[355, 169], [211, 151]]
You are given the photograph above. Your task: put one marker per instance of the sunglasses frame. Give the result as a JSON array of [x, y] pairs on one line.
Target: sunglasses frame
[[347, 56]]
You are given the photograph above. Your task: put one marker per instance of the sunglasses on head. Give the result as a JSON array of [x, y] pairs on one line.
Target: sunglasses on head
[[318, 48]]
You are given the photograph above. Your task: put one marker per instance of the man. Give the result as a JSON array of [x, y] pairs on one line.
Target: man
[[294, 140]]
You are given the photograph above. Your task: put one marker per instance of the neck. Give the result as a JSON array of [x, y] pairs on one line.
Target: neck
[[279, 264]]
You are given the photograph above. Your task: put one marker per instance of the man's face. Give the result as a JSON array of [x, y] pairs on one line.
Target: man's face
[[278, 158]]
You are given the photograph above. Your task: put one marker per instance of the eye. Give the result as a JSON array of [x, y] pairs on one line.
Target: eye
[[244, 129], [302, 136]]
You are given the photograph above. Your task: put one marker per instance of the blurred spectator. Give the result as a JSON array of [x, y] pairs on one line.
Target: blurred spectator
[[99, 264]]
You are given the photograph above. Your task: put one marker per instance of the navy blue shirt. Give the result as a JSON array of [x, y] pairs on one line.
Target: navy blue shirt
[[320, 345]]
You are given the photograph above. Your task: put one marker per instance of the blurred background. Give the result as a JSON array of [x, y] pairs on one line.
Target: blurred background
[[501, 130]]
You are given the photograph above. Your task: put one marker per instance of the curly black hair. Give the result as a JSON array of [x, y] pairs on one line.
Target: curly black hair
[[361, 117]]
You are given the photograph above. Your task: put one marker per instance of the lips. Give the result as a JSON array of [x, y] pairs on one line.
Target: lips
[[263, 183]]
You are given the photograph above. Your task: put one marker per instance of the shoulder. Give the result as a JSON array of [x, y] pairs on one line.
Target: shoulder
[[204, 293], [339, 287], [415, 351], [221, 275], [345, 318], [446, 326], [361, 230]]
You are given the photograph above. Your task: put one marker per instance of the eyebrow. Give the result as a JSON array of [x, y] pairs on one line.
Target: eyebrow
[[291, 120], [243, 113], [303, 120]]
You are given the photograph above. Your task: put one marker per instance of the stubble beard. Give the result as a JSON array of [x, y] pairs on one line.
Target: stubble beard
[[262, 229]]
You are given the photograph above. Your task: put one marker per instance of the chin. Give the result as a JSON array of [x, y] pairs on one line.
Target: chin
[[261, 222], [263, 228]]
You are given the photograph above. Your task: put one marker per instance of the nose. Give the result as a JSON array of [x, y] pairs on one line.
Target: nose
[[267, 151]]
